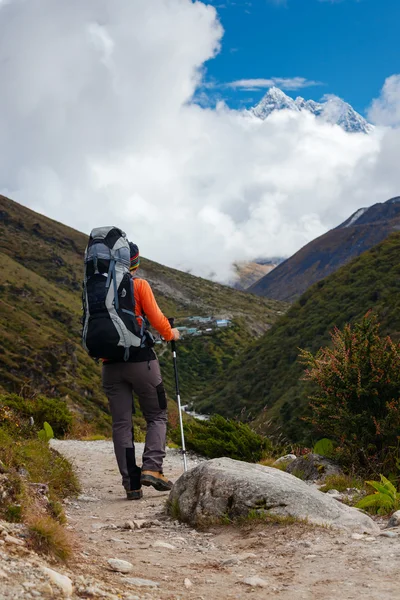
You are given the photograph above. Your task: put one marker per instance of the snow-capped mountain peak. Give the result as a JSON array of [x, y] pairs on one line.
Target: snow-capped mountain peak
[[273, 100], [332, 110]]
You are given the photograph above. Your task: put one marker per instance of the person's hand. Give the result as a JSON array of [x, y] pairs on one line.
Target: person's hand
[[176, 334]]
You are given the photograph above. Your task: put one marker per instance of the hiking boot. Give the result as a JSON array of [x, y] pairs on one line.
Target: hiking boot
[[157, 480], [134, 494]]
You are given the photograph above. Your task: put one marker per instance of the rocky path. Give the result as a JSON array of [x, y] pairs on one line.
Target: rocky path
[[170, 561]]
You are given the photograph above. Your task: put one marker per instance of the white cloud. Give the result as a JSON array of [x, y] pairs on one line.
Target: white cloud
[[97, 127], [385, 110], [285, 83]]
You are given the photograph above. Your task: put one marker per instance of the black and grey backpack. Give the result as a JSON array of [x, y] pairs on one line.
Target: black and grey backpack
[[110, 327]]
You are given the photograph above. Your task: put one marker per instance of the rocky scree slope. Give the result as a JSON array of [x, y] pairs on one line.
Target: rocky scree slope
[[266, 381], [40, 311], [324, 255]]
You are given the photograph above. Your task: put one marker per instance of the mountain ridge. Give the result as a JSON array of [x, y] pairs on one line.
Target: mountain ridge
[[331, 110], [319, 258], [40, 315], [266, 382]]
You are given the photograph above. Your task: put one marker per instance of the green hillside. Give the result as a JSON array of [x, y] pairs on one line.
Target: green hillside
[[40, 311], [266, 381]]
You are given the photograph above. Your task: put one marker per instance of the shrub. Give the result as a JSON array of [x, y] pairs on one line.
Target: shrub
[[223, 437], [358, 402], [324, 447], [385, 500], [46, 434], [41, 409]]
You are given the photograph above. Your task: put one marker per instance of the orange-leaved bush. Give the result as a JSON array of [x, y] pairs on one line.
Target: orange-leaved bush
[[358, 400]]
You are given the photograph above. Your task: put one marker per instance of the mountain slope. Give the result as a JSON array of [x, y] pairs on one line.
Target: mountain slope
[[40, 310], [265, 381], [333, 110], [337, 247]]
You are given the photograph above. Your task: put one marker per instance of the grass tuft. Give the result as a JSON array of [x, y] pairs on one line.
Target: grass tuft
[[341, 483], [49, 537]]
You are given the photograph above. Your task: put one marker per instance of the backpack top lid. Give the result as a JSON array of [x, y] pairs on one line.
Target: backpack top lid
[[110, 236], [106, 243]]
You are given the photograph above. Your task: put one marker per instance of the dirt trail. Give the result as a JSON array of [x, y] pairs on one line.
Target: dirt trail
[[295, 561]]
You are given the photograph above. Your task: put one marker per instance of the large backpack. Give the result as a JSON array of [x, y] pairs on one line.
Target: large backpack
[[110, 327]]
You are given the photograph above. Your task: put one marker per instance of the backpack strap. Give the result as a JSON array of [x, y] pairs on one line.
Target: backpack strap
[[114, 277]]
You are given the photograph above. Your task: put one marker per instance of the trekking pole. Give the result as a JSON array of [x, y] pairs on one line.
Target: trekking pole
[[178, 397]]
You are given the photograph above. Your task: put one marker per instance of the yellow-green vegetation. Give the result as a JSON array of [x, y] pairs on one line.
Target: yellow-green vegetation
[[34, 479], [223, 437], [341, 483], [385, 499], [357, 396], [40, 318], [266, 381]]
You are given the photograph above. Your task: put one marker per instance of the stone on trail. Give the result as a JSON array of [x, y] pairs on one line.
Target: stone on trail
[[61, 581], [187, 583], [122, 566], [313, 467], [394, 520], [141, 582], [224, 487], [255, 581], [161, 544]]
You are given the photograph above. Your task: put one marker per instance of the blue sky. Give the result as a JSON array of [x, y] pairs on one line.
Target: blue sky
[[350, 46]]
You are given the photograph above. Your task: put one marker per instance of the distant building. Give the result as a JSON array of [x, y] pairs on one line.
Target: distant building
[[223, 322], [200, 319]]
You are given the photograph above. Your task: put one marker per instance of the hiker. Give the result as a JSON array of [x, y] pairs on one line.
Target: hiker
[[140, 375], [115, 303]]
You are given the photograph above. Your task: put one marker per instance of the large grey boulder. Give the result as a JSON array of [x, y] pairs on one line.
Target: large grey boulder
[[312, 467], [223, 486]]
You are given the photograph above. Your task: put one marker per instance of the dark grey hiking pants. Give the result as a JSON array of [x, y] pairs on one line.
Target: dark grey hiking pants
[[120, 382]]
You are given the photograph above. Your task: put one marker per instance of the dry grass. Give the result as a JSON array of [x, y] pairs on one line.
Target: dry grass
[[49, 537], [341, 483]]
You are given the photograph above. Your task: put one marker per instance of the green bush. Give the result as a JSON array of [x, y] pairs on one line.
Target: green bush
[[358, 400], [41, 409], [385, 500], [222, 437]]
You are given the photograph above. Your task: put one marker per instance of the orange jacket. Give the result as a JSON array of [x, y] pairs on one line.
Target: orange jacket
[[145, 304]]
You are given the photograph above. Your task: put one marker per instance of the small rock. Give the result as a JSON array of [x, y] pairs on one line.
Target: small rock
[[141, 582], [3, 574], [188, 584], [10, 539], [84, 498], [122, 566], [246, 555], [394, 520], [47, 590], [141, 523], [285, 460], [129, 525], [160, 544], [389, 534], [255, 581], [230, 562], [357, 536], [333, 492], [61, 581]]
